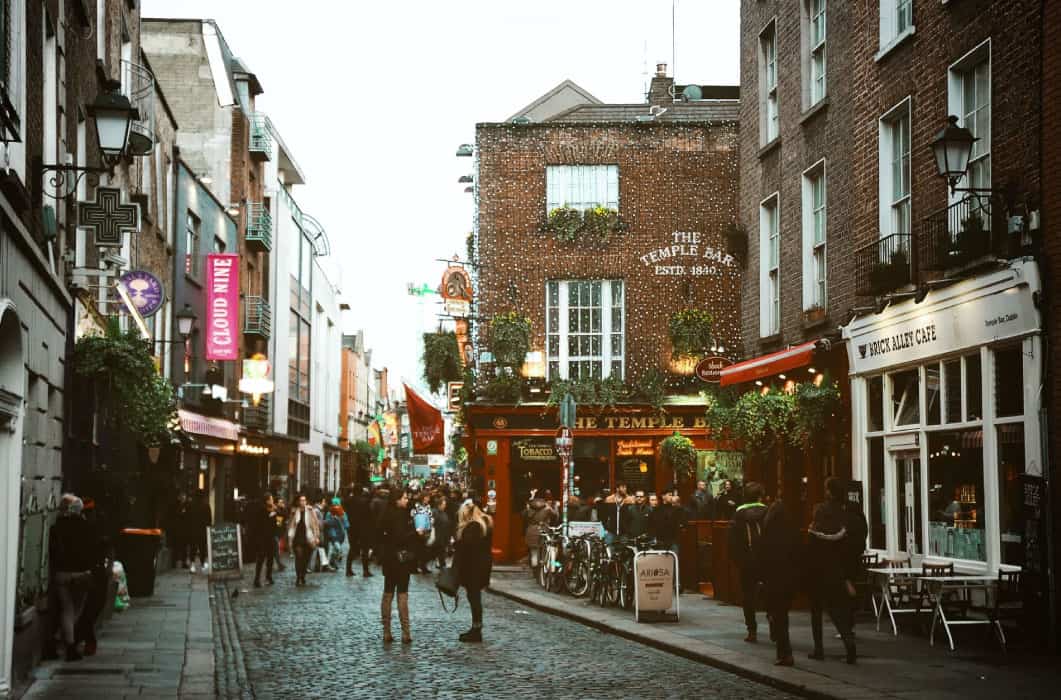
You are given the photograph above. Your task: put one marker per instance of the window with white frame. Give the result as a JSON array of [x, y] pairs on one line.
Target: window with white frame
[[582, 186], [585, 328], [969, 98], [894, 137], [769, 124], [814, 235], [896, 20], [770, 267], [814, 31]]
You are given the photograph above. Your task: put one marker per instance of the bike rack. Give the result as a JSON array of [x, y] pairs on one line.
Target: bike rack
[[661, 615]]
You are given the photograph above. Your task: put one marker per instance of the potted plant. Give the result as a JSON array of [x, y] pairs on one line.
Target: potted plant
[[679, 453], [690, 332], [510, 338], [601, 223], [442, 361], [564, 222], [138, 399], [815, 313], [887, 276], [737, 242]]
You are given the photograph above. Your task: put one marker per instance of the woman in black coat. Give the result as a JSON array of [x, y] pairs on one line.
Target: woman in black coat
[[400, 543], [474, 561]]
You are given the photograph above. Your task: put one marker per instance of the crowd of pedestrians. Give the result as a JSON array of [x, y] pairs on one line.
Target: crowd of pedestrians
[[765, 545], [403, 530]]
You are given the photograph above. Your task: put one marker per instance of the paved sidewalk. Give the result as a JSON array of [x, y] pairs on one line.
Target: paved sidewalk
[[888, 667], [161, 647]]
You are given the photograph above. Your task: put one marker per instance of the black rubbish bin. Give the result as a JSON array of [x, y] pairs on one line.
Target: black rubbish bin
[[138, 552]]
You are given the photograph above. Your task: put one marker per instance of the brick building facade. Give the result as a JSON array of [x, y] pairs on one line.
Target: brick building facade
[[913, 268], [601, 308]]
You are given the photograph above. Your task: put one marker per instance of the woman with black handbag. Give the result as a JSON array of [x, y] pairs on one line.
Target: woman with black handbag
[[473, 561], [400, 545]]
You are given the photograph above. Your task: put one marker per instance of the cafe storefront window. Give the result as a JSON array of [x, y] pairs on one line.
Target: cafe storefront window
[[946, 432]]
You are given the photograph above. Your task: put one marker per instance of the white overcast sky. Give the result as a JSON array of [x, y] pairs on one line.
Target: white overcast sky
[[374, 96]]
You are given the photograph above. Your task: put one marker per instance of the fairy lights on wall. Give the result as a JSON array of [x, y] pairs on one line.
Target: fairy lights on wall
[[674, 178]]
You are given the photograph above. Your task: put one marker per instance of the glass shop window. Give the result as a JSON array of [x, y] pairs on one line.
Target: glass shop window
[[973, 388], [1010, 492], [906, 409], [876, 507], [952, 377], [875, 396], [956, 495], [932, 398], [1009, 381]]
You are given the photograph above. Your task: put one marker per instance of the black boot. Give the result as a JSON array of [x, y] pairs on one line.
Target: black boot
[[849, 647], [475, 634], [72, 654]]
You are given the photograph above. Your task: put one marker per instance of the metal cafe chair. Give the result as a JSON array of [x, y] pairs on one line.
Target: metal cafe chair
[[1008, 603], [864, 585]]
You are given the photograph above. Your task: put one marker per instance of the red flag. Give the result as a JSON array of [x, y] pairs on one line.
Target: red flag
[[427, 425]]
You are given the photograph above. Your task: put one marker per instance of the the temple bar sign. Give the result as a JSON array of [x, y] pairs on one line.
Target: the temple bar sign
[[686, 254], [638, 422]]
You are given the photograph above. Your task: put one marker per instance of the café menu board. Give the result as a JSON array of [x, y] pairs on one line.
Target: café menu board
[[225, 550]]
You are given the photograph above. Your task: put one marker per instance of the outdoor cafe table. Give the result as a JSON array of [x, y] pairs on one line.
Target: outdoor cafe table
[[939, 586], [884, 576]]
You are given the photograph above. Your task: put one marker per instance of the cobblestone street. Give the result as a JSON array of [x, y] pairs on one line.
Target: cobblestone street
[[324, 641]]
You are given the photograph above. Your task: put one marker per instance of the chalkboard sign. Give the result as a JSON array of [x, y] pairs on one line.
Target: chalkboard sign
[[1034, 553], [225, 550]]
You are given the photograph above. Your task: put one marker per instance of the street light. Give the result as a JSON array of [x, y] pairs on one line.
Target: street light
[[114, 115], [953, 146], [186, 319]]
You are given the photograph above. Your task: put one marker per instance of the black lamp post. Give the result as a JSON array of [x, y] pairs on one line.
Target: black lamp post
[[114, 115], [953, 146], [186, 319]]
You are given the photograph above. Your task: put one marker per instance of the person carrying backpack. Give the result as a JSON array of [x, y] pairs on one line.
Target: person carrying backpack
[[744, 536]]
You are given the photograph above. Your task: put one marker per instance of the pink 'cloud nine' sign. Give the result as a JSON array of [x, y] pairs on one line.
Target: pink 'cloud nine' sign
[[222, 306]]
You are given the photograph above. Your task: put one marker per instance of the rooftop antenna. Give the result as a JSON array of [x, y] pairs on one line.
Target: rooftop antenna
[[673, 40], [644, 69]]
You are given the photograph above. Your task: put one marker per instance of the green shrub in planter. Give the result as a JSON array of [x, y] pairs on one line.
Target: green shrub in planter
[[690, 332], [510, 339], [564, 222], [442, 361]]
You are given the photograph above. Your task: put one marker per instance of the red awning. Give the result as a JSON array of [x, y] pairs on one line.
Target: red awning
[[767, 365]]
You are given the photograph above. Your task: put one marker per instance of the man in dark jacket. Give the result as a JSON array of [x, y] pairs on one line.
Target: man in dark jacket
[[666, 521], [261, 523], [609, 512], [836, 539], [701, 505], [356, 504], [636, 516], [745, 535], [778, 560]]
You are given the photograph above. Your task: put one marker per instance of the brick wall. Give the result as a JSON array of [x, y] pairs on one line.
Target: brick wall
[[1050, 225], [860, 88], [672, 178], [807, 136]]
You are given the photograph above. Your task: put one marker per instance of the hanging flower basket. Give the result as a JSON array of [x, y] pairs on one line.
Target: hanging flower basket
[[678, 452], [690, 332], [510, 338]]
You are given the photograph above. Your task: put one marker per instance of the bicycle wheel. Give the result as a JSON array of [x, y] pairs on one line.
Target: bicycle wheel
[[556, 571], [577, 578], [628, 588], [543, 567], [612, 583]]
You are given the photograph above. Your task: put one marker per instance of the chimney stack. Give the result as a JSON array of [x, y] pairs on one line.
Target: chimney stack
[[659, 92]]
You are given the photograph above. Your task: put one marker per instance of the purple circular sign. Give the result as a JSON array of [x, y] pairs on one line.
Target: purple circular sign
[[145, 291]]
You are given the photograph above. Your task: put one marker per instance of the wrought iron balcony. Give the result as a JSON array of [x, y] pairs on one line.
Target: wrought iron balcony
[[138, 84], [257, 316], [259, 227], [884, 266], [257, 417], [965, 235], [261, 145]]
